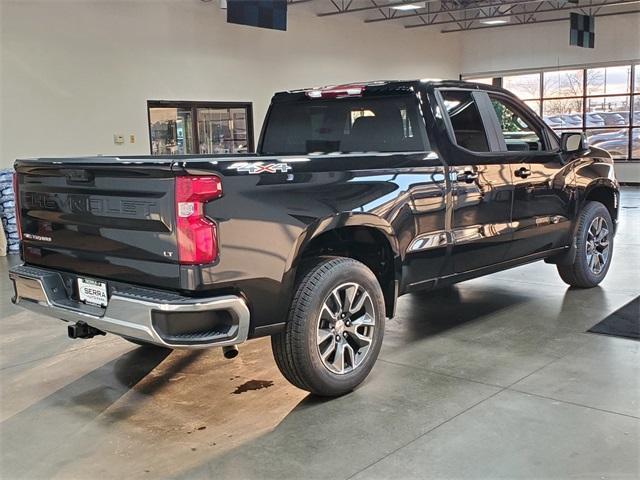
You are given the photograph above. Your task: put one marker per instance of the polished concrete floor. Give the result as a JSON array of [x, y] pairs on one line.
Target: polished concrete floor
[[495, 378]]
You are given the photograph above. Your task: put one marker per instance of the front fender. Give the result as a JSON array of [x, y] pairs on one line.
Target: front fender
[[610, 183], [590, 176]]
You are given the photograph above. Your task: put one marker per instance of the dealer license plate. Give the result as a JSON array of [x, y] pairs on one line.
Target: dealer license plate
[[92, 292]]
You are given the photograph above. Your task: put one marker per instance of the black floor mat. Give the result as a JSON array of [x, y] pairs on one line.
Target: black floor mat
[[624, 322]]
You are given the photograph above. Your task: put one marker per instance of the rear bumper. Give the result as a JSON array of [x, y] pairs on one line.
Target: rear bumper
[[161, 318]]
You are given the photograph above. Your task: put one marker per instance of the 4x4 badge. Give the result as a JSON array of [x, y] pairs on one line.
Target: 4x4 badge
[[259, 167]]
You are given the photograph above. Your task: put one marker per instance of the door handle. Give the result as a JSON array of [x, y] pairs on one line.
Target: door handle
[[523, 172], [467, 176]]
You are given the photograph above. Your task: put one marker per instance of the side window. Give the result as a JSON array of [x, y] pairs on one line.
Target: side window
[[520, 134], [465, 120]]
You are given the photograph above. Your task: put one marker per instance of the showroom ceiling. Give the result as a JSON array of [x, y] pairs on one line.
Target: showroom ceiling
[[459, 15]]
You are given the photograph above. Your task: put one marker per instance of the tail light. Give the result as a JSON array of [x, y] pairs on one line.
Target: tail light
[[16, 196], [197, 242]]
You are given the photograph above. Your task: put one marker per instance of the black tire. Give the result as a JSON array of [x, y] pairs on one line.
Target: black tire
[[146, 344], [580, 273], [297, 351]]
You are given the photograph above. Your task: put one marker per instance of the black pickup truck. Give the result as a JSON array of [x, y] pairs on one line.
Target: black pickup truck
[[358, 194]]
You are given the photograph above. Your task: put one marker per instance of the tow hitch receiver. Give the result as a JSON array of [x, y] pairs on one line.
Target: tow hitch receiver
[[82, 330]]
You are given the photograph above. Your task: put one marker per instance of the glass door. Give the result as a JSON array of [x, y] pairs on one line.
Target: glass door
[[171, 131], [222, 130]]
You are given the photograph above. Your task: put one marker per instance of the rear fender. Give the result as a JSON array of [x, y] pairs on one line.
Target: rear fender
[[342, 220]]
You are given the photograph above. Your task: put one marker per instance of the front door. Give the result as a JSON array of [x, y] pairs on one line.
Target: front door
[[541, 217]]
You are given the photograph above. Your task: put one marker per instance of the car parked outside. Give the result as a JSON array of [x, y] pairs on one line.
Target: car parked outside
[[564, 121], [572, 120], [553, 121], [612, 118], [619, 147], [606, 135], [595, 120]]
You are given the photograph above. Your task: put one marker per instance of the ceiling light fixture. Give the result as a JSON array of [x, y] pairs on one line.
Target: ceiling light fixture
[[409, 6], [494, 21]]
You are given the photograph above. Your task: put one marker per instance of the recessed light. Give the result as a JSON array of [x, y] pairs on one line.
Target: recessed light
[[494, 21], [409, 6]]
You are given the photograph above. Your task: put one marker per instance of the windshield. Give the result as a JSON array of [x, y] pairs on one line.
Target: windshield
[[380, 124]]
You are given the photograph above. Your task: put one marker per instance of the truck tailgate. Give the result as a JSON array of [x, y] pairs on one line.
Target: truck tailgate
[[103, 217]]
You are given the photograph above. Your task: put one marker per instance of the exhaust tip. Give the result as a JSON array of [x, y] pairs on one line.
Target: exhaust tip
[[230, 352]]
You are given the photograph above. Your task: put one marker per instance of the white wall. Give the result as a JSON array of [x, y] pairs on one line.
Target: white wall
[[546, 45], [76, 72]]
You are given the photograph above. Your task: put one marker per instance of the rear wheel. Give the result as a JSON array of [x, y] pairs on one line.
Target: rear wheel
[[335, 327], [594, 248]]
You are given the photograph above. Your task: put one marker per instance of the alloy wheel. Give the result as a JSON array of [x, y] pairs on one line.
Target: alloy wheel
[[598, 245], [345, 328]]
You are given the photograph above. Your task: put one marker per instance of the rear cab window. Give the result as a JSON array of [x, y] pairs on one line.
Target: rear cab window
[[346, 125]]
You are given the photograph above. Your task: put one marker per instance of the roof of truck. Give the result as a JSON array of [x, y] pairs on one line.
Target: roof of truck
[[356, 89]]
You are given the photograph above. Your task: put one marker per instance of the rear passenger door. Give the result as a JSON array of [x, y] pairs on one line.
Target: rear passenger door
[[481, 188], [542, 193]]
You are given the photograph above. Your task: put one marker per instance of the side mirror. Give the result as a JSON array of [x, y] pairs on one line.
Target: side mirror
[[571, 142]]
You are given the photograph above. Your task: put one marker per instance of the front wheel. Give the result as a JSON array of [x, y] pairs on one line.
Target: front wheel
[[594, 248], [335, 327]]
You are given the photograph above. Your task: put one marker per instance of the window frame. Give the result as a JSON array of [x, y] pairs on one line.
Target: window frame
[[488, 127], [493, 130], [421, 131], [194, 106]]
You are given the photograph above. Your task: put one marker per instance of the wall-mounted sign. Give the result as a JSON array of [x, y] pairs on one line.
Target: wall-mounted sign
[[582, 30], [258, 13]]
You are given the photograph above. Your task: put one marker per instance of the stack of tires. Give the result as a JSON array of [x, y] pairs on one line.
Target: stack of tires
[[8, 211]]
